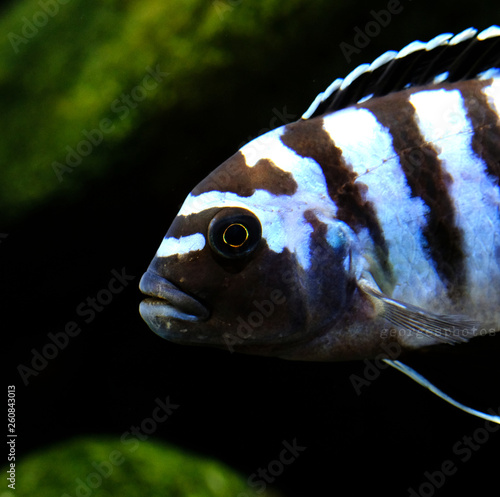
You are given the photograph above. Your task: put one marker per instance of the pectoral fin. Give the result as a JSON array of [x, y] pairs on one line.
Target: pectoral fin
[[450, 329], [427, 384]]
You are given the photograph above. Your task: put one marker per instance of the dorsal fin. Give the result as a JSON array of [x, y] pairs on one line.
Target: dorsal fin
[[444, 58]]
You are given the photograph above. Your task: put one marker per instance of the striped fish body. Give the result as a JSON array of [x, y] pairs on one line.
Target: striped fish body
[[345, 233]]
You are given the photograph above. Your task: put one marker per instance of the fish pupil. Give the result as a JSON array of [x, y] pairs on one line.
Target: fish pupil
[[235, 235]]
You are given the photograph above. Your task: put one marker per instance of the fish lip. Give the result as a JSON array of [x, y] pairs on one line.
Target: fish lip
[[168, 300]]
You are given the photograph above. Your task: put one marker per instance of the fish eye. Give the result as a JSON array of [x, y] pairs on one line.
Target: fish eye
[[234, 233]]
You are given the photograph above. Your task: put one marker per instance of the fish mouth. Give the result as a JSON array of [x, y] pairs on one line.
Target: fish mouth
[[168, 304]]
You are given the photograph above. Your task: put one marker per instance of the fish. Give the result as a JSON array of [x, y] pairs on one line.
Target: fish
[[369, 226]]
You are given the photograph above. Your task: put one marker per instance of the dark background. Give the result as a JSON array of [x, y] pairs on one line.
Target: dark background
[[235, 408]]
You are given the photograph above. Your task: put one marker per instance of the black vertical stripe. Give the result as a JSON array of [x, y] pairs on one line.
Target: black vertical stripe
[[309, 139], [484, 121], [427, 180]]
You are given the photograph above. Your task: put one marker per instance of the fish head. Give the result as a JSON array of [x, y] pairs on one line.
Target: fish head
[[253, 262]]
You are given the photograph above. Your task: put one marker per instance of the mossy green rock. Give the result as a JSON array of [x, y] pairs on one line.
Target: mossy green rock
[[99, 467]]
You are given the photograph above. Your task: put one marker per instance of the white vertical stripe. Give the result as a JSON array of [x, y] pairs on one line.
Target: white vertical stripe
[[492, 93], [442, 119], [367, 147]]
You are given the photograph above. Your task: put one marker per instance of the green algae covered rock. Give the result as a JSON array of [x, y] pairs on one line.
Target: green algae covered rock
[[100, 467]]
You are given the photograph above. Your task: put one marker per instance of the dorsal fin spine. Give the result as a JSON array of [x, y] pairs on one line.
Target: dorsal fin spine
[[322, 97], [438, 41], [490, 32], [383, 59], [466, 34], [354, 74], [414, 46]]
